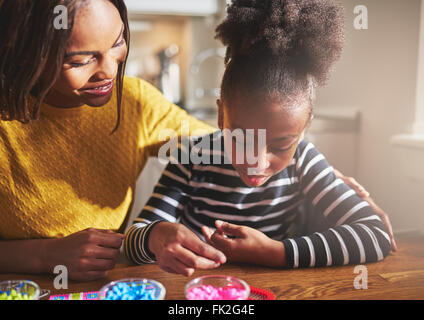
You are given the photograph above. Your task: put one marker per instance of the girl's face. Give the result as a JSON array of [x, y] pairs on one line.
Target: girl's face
[[94, 51], [284, 125]]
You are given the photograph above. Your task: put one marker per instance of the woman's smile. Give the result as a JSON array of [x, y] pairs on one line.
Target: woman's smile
[[104, 89]]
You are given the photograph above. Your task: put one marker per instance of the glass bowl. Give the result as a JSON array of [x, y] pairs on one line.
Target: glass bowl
[[217, 287], [150, 290], [19, 290]]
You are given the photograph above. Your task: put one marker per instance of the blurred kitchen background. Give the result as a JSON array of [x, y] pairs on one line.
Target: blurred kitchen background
[[369, 119]]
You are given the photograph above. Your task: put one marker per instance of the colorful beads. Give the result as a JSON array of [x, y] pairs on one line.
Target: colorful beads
[[131, 291], [14, 295], [209, 292]]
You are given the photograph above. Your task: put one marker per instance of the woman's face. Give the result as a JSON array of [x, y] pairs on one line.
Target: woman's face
[[284, 125], [93, 54]]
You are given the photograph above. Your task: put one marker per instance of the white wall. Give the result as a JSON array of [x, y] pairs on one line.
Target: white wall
[[377, 74]]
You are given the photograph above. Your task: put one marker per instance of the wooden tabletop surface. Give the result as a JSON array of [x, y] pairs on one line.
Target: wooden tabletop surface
[[400, 276]]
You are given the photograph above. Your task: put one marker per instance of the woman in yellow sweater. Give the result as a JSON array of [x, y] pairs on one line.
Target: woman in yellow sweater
[[75, 135]]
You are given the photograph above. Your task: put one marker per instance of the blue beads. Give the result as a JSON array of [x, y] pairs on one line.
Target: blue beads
[[131, 291]]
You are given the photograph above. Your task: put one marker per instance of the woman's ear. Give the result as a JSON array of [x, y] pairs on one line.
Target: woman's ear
[[220, 106]]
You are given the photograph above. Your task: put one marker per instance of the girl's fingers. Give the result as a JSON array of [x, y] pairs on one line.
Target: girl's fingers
[[207, 233], [202, 249], [193, 261], [220, 241], [230, 229], [176, 266]]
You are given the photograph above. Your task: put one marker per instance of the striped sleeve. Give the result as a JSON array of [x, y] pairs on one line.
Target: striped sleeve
[[166, 204], [356, 234]]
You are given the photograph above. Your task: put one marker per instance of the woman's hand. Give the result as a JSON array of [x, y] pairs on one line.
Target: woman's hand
[[178, 250], [360, 190], [87, 254], [245, 244]]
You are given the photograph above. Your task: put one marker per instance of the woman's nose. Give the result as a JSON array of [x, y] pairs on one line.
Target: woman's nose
[[108, 68]]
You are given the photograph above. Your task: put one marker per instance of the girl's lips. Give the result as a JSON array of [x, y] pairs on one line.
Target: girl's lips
[[100, 91], [255, 180]]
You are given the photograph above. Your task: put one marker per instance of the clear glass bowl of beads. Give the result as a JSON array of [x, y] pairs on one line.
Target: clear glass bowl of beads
[[19, 290], [133, 289], [217, 287]]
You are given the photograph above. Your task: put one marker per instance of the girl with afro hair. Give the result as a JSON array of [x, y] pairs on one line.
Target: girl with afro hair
[[278, 53]]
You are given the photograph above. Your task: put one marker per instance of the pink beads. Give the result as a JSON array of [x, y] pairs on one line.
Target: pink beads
[[209, 292]]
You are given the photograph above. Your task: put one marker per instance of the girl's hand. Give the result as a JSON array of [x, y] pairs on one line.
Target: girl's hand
[[178, 250], [87, 254], [245, 244], [360, 190]]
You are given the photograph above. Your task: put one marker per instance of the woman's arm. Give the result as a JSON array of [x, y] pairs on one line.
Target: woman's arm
[[23, 256], [87, 254], [160, 117]]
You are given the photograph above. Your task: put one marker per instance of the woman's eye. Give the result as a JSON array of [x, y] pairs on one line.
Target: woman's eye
[[77, 65], [120, 43], [80, 64]]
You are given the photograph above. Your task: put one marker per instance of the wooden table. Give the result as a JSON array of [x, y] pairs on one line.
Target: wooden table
[[400, 276]]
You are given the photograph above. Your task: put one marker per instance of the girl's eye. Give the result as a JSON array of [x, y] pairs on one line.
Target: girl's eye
[[281, 150], [238, 141]]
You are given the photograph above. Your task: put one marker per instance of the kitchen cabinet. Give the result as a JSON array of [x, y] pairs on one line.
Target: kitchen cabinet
[[173, 7]]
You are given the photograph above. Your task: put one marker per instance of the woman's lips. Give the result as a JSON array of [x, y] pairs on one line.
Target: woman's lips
[[101, 90]]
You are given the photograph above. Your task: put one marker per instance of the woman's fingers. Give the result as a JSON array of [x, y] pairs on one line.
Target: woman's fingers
[[106, 253], [351, 182], [385, 219], [109, 240]]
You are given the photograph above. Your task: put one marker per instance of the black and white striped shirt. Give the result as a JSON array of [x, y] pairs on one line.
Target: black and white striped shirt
[[198, 194]]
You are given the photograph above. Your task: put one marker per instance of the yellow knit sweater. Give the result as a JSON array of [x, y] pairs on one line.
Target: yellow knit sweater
[[64, 172]]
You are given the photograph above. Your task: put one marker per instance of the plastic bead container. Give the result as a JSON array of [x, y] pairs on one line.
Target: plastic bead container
[[217, 287], [19, 290], [133, 289]]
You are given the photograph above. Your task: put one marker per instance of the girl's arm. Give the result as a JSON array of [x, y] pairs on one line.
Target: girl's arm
[[156, 237], [351, 182], [356, 233]]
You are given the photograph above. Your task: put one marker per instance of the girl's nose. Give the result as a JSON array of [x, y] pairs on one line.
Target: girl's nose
[[262, 163]]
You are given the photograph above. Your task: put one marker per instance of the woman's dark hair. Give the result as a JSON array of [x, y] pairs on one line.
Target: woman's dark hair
[[280, 46], [32, 53]]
